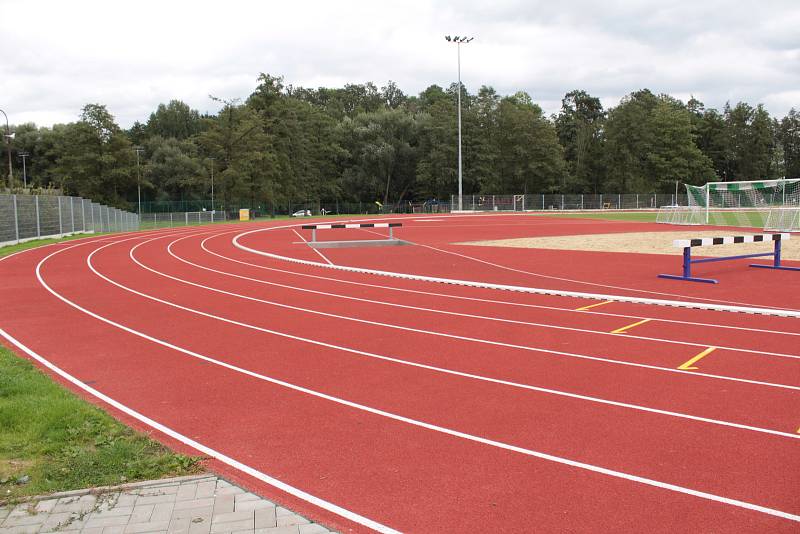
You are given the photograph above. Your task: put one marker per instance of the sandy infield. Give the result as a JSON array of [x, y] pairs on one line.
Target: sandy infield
[[645, 243]]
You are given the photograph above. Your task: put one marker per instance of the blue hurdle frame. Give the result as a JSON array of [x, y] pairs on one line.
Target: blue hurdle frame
[[688, 261]]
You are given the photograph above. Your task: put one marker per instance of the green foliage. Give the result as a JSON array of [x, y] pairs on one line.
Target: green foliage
[[651, 144], [287, 145]]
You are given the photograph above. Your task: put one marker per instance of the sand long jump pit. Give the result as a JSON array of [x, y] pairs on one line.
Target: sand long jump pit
[[644, 243]]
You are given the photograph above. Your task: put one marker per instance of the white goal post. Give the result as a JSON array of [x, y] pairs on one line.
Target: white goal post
[[770, 204]]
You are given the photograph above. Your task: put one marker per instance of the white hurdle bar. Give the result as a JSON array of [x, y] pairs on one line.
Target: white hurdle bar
[[687, 244], [315, 227]]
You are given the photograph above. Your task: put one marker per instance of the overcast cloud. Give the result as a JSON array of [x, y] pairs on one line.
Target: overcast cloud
[[57, 56]]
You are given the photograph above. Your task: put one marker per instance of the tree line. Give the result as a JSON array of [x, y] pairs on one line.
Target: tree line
[[360, 143]]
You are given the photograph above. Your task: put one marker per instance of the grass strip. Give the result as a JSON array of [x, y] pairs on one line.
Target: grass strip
[[52, 440], [637, 216]]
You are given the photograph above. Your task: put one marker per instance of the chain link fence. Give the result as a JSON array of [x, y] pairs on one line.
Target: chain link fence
[[565, 202], [26, 217], [181, 218]]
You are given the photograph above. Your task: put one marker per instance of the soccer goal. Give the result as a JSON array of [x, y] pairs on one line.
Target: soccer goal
[[768, 204], [683, 215]]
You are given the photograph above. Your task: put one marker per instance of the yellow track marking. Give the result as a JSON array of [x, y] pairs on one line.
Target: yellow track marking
[[624, 328], [593, 305], [688, 365]]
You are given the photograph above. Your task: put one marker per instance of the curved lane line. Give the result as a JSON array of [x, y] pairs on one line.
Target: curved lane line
[[776, 312], [208, 451], [291, 490], [481, 300], [442, 369], [355, 351], [477, 439], [472, 316]]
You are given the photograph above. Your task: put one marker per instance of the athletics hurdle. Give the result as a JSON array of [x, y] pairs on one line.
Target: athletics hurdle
[[391, 241], [688, 244]]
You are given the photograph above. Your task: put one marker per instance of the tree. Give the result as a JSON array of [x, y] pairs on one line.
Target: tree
[[96, 159], [174, 170], [651, 145], [176, 119], [579, 126], [529, 157], [789, 137], [382, 153]]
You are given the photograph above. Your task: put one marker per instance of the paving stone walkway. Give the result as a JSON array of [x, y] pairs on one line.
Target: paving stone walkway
[[199, 504]]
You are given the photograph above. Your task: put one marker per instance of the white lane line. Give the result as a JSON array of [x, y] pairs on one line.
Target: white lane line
[[312, 248], [208, 451], [479, 317], [386, 325], [419, 365], [618, 297], [775, 312], [561, 279], [480, 300], [469, 437]]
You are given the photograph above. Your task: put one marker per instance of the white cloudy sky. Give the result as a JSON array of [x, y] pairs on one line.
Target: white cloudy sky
[[57, 55]]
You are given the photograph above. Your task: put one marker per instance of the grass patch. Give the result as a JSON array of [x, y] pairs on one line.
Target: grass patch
[[11, 249], [635, 216], [51, 440]]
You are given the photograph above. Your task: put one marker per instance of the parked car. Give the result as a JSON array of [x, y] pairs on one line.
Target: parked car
[[302, 213]]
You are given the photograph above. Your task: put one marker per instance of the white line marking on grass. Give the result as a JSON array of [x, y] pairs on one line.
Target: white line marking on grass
[[208, 451], [476, 299], [476, 439]]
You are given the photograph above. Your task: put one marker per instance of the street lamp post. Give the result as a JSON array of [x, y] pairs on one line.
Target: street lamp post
[[138, 151], [9, 136], [24, 155], [459, 41]]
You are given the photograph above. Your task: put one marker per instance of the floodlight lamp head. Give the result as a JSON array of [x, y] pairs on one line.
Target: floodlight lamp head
[[11, 135], [447, 37]]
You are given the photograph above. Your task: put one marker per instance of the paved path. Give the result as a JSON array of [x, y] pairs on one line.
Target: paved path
[[198, 504]]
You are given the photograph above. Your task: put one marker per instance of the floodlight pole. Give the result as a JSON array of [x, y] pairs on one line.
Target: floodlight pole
[[458, 41], [8, 148], [138, 151]]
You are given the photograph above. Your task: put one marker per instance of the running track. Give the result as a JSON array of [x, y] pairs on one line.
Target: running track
[[375, 403]]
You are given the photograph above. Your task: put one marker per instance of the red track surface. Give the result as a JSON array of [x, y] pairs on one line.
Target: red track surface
[[430, 407]]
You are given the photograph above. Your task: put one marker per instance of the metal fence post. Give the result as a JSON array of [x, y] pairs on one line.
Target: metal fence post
[[72, 213], [16, 219], [186, 215], [38, 224], [60, 225]]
